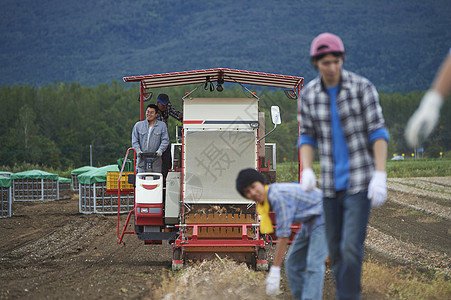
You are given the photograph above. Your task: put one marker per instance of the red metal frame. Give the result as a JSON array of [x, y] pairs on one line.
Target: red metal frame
[[194, 240], [182, 163], [141, 102], [258, 152], [124, 231], [149, 218], [299, 89]]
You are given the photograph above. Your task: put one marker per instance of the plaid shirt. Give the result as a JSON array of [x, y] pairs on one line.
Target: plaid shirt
[[360, 114], [170, 111], [291, 204]]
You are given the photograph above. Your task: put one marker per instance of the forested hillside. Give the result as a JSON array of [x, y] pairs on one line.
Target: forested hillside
[[62, 64], [396, 44], [55, 125]]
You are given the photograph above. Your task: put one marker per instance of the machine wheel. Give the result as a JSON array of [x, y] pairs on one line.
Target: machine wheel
[[176, 258], [261, 256]]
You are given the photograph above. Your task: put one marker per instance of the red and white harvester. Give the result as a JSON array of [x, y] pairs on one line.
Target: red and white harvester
[[197, 208]]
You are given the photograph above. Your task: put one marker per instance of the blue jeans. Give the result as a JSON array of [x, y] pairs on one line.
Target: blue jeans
[[346, 221], [304, 264]]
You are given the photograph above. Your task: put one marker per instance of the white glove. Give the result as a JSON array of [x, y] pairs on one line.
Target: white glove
[[377, 189], [273, 281], [308, 180], [158, 153], [425, 118]]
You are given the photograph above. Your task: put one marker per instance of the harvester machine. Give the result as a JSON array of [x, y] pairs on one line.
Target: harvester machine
[[196, 208]]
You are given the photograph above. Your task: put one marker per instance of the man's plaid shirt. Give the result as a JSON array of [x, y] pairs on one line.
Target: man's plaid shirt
[[170, 111], [360, 114], [291, 204]]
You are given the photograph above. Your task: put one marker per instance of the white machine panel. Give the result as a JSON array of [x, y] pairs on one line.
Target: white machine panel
[[220, 113], [212, 160], [220, 139], [171, 211], [149, 188]]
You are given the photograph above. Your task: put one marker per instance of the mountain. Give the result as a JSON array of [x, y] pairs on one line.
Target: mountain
[[398, 45]]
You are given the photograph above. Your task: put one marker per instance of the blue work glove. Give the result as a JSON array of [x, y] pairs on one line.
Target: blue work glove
[[158, 153], [273, 281], [308, 180], [377, 189]]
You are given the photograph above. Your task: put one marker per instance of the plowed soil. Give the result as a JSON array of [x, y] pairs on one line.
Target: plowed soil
[[48, 250]]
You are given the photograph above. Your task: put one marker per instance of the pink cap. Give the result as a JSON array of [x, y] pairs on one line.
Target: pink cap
[[326, 43]]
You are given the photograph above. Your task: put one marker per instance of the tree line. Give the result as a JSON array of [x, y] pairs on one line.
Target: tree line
[[57, 125]]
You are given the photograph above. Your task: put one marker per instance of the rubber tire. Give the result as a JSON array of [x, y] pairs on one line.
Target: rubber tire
[[177, 255], [261, 254]]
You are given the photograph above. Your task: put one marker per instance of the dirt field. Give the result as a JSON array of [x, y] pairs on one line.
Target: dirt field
[[50, 251]]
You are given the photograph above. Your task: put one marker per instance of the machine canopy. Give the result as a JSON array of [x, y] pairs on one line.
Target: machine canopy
[[213, 75]]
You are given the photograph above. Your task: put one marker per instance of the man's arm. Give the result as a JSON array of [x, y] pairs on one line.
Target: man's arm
[[164, 139], [442, 82], [425, 118], [380, 154], [307, 155], [273, 279], [175, 114], [377, 189], [135, 140], [280, 251], [284, 211], [308, 177]]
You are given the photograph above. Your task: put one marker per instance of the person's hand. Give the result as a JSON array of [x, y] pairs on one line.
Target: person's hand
[[273, 281], [425, 118], [140, 154], [308, 180], [158, 153], [377, 189]]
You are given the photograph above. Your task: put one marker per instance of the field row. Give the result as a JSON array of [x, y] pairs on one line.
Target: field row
[[413, 226]]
